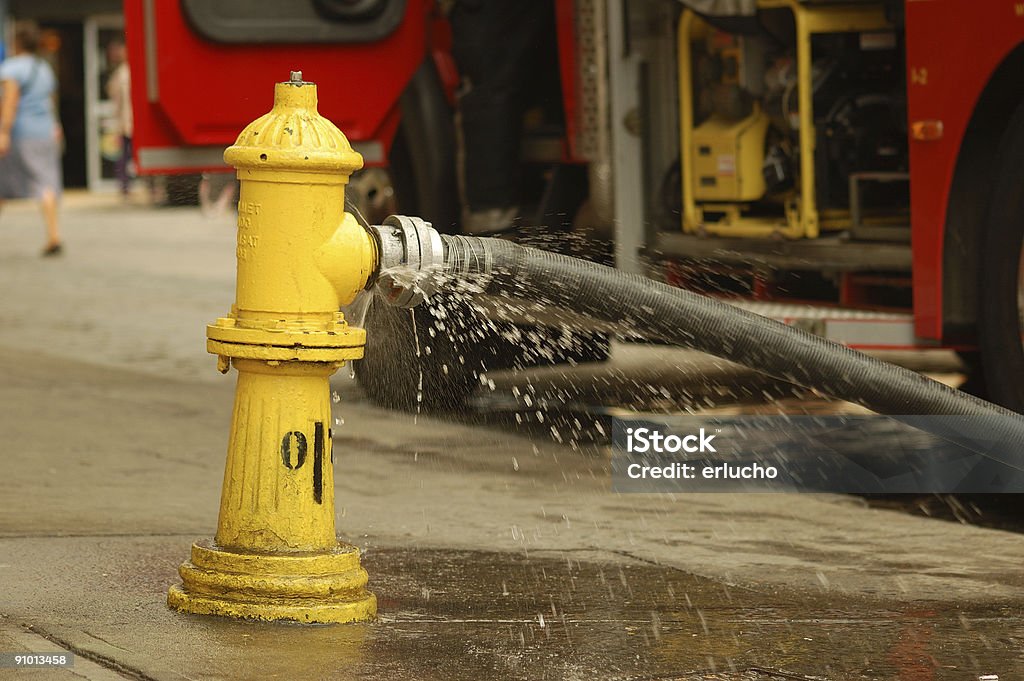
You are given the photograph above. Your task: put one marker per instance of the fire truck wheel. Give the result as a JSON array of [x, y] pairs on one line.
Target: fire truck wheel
[[412, 362], [432, 357], [1001, 324], [397, 370]]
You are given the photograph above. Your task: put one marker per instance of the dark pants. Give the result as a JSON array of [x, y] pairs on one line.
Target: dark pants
[[122, 164], [498, 45]]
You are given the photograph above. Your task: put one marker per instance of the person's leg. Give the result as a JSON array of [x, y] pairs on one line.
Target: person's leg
[[227, 195], [205, 193], [41, 159], [495, 45], [123, 165], [48, 203]]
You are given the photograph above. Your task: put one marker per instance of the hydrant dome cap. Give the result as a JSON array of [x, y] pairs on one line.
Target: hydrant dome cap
[[294, 136]]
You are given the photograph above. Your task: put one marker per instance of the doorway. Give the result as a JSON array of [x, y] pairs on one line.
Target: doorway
[[61, 44], [102, 135]]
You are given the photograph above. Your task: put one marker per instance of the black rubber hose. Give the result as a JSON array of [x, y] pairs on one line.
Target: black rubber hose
[[681, 317]]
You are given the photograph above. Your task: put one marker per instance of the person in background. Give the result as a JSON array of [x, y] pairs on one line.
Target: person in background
[[498, 49], [30, 135], [119, 89]]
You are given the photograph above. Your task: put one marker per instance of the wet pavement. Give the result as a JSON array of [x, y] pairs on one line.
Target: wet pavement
[[494, 543], [454, 614]]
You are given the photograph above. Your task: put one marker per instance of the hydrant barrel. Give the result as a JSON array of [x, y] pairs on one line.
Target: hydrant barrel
[[279, 460], [300, 257], [269, 260]]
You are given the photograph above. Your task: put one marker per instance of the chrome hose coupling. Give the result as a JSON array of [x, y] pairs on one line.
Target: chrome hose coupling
[[411, 259]]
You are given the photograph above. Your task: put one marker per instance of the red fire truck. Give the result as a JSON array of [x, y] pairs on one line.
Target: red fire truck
[[856, 168]]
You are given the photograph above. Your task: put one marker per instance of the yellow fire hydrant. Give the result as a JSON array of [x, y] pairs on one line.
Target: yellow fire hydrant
[[300, 257]]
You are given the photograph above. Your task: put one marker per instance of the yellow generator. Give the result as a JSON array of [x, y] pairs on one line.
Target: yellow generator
[[795, 128], [727, 158]]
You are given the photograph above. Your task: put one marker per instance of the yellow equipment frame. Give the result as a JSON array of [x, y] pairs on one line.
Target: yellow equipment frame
[[801, 215]]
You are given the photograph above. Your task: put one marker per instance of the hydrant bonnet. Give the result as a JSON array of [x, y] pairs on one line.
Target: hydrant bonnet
[[293, 136]]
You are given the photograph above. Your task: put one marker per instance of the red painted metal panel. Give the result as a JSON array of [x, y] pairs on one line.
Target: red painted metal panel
[[208, 92], [953, 47], [568, 69]]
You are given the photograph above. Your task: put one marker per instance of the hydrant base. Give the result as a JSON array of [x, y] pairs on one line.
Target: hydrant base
[[321, 587], [293, 610]]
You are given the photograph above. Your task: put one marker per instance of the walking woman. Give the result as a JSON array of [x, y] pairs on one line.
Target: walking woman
[[30, 136]]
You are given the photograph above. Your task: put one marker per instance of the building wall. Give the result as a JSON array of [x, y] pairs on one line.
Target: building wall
[[61, 10]]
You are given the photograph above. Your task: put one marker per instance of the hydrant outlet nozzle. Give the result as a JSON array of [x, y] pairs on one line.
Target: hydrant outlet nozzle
[[410, 256]]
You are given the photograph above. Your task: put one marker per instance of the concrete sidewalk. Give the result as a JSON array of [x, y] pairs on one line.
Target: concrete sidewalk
[[493, 555]]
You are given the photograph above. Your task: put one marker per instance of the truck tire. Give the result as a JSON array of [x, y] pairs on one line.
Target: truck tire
[[406, 364], [422, 172], [397, 371], [1001, 323]]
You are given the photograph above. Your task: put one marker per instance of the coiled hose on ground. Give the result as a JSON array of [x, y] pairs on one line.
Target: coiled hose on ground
[[696, 321]]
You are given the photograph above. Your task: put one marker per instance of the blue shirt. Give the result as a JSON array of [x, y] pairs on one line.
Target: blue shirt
[[36, 83]]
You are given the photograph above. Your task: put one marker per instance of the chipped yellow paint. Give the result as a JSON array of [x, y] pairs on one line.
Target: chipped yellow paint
[[300, 257]]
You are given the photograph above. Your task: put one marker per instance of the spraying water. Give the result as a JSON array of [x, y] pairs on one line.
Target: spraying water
[[471, 266]]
